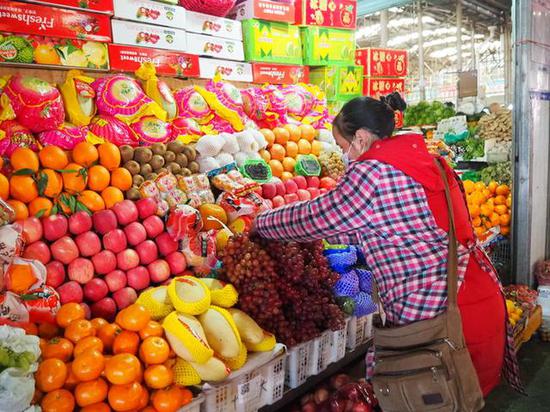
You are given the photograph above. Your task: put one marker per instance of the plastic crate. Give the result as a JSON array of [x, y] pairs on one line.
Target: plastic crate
[[298, 364], [500, 254], [194, 406], [273, 381], [320, 357], [338, 343], [237, 395], [359, 331]]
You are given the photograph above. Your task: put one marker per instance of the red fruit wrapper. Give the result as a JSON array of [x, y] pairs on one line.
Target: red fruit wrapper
[[42, 304], [200, 252], [237, 206], [23, 275], [184, 222], [12, 310]]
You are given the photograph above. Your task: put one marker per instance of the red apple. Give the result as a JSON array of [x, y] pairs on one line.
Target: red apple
[[147, 252], [96, 289], [269, 190], [80, 222], [88, 244], [300, 181], [138, 278], [115, 241], [278, 201], [322, 191], [166, 244], [115, 280], [38, 250], [303, 194], [55, 226], [55, 274], [104, 262], [281, 189], [31, 228], [291, 198], [104, 308], [313, 181], [64, 250], [291, 186], [177, 262], [81, 270], [146, 207], [135, 233], [70, 292], [104, 221], [126, 212], [327, 183], [127, 259], [314, 192], [154, 226], [159, 270], [124, 297]]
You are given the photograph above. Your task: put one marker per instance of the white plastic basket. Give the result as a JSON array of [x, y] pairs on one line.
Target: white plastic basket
[[194, 406], [359, 331], [238, 395], [298, 364], [320, 358], [338, 343], [273, 381]]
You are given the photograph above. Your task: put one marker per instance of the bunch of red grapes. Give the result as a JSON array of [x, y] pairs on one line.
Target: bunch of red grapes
[[285, 287]]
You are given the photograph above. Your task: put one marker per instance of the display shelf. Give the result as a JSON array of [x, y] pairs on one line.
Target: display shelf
[[313, 381]]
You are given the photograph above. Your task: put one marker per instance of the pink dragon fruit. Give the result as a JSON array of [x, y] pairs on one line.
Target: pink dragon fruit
[[190, 103], [150, 129], [14, 135], [187, 130], [113, 130], [66, 136]]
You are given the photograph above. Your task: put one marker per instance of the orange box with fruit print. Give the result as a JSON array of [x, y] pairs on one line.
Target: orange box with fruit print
[[48, 51]]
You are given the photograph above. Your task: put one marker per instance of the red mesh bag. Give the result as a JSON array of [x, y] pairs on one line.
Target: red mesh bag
[[214, 7]]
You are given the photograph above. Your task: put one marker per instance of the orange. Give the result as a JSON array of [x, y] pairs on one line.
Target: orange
[[69, 312], [40, 206], [269, 136], [53, 157], [276, 168], [98, 407], [92, 200], [85, 154], [288, 164], [109, 155], [476, 221], [469, 186], [486, 209], [125, 397], [4, 187], [308, 132], [286, 175], [60, 400], [20, 209], [51, 375], [50, 183], [151, 329], [98, 178], [89, 342], [499, 200], [492, 186], [277, 152], [72, 380], [509, 201], [24, 158], [294, 132], [107, 333], [479, 185], [154, 350], [281, 135], [75, 178], [495, 219], [88, 365], [88, 393], [126, 342], [59, 348], [79, 329], [316, 147], [304, 147], [474, 210], [112, 195], [46, 54], [158, 376], [121, 178], [23, 188], [122, 369], [265, 155], [479, 231], [168, 399], [98, 323], [501, 209], [503, 190], [134, 317], [212, 210], [291, 149], [486, 194], [505, 220], [505, 230]]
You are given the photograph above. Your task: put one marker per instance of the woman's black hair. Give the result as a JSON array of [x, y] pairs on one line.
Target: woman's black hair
[[376, 116]]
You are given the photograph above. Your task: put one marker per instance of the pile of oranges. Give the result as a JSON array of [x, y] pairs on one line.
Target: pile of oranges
[[53, 180], [100, 366], [489, 206], [284, 144]]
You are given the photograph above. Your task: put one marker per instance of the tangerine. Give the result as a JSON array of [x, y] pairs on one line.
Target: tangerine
[[316, 147], [109, 155], [492, 186], [304, 147], [107, 333], [505, 220], [152, 328], [4, 187], [59, 348], [126, 342], [469, 186], [75, 178], [97, 407], [20, 209], [505, 230], [91, 392], [79, 329], [122, 368], [294, 132], [88, 365], [52, 181], [85, 154], [474, 210], [92, 200], [503, 190], [501, 209], [281, 135], [112, 195], [288, 164], [212, 210], [89, 342], [265, 155], [277, 151], [286, 175], [98, 323], [53, 157], [308, 132], [24, 158], [269, 136], [276, 167], [158, 376], [98, 178], [51, 375], [476, 221], [291, 149], [134, 317], [479, 186], [499, 200], [125, 397], [23, 188], [495, 219], [40, 206], [59, 400], [121, 178], [69, 312]]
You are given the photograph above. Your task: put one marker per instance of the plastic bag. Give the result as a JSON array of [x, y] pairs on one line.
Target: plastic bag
[[208, 163], [200, 252], [234, 182], [12, 310], [11, 242], [66, 136], [16, 390], [23, 275], [210, 145], [236, 206], [230, 145], [347, 285], [42, 304], [184, 222]]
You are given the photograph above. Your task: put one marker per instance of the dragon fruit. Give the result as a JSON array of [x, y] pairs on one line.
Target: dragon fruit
[[14, 135], [113, 130], [151, 130], [190, 103]]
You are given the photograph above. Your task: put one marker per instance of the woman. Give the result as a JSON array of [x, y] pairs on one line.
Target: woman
[[391, 202]]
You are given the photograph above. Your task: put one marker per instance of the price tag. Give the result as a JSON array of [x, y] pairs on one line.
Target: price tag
[[249, 390]]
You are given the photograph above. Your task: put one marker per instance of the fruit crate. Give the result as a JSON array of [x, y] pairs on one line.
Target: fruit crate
[[298, 364], [241, 394], [273, 381], [359, 330], [338, 343], [194, 406], [320, 358]]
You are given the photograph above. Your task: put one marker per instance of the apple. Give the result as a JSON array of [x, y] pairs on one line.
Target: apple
[[313, 181], [64, 250], [278, 201], [177, 262], [146, 207], [269, 190], [154, 226], [138, 278], [115, 280], [115, 241], [291, 198], [55, 226], [135, 233], [81, 270], [70, 292], [159, 270], [300, 181], [80, 222], [104, 308], [303, 194], [314, 192], [126, 212], [55, 274], [291, 186], [281, 189], [166, 244], [147, 252], [127, 259], [38, 250], [87, 310], [124, 297], [96, 289], [104, 262], [88, 244], [327, 183], [31, 228], [104, 221]]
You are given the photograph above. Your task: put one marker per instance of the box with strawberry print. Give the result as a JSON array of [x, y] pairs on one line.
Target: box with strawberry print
[[147, 35], [150, 12]]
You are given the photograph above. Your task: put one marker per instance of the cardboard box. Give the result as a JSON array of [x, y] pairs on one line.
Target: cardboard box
[[215, 47], [272, 42], [27, 18], [272, 10], [229, 70], [49, 51], [151, 12], [340, 14], [214, 26], [323, 46], [375, 86], [338, 81], [97, 6], [279, 73], [382, 62], [168, 63], [147, 35]]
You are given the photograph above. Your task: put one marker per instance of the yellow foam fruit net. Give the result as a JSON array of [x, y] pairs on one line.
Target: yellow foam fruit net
[[186, 337], [221, 331], [185, 374], [238, 362], [221, 294], [267, 344], [189, 295], [155, 89], [78, 98], [156, 301]]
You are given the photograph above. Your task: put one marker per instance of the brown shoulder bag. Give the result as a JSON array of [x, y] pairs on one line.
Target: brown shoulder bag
[[426, 366]]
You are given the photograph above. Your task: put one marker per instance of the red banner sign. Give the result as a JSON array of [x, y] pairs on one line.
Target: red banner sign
[[376, 87], [341, 14], [99, 6], [382, 62], [279, 73]]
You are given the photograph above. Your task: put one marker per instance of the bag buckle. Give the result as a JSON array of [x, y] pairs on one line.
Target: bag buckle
[[385, 390], [434, 374]]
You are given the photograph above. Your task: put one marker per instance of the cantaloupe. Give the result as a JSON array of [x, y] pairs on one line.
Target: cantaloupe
[[267, 344], [189, 295], [156, 301], [238, 362], [214, 370], [221, 293], [221, 332], [187, 337], [248, 329]]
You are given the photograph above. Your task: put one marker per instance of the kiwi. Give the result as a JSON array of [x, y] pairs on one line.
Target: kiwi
[[146, 169], [133, 194], [169, 156], [186, 172], [176, 146], [143, 155], [132, 166], [194, 167], [162, 170], [151, 176], [138, 180], [126, 153], [157, 162], [182, 160], [174, 168], [190, 153], [158, 148]]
